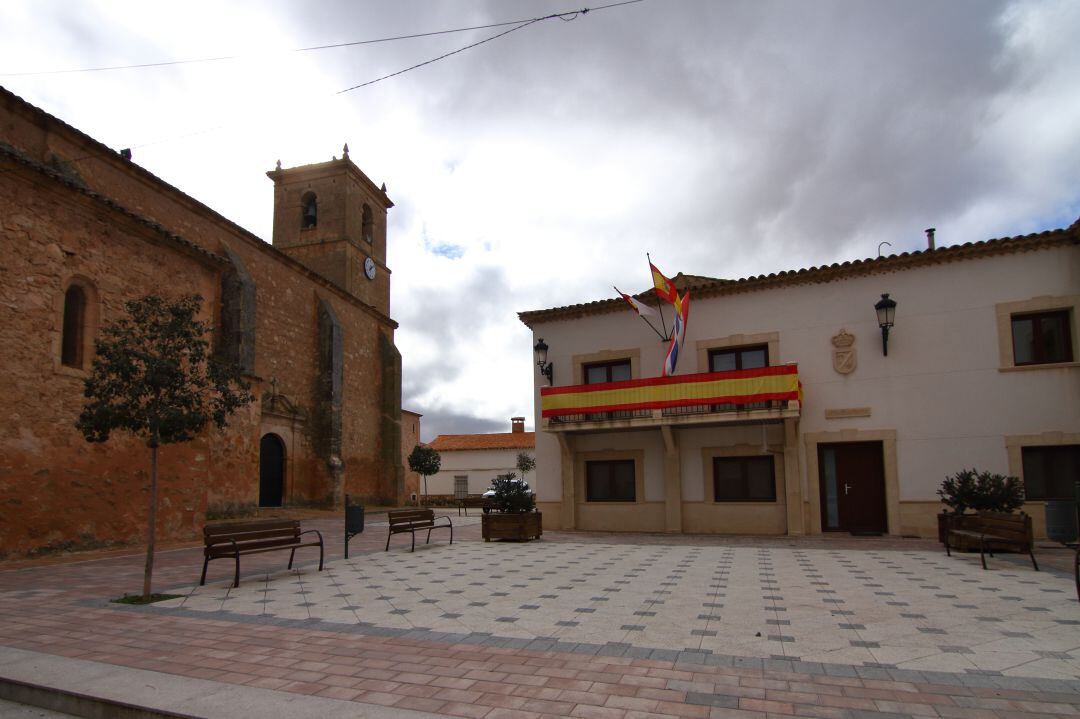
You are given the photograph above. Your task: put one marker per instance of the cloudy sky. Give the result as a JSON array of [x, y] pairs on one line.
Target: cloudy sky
[[726, 138]]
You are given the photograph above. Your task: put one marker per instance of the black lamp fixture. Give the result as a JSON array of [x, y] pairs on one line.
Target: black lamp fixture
[[886, 311], [546, 368]]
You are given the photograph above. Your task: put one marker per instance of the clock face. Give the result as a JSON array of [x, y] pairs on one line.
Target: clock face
[[369, 268]]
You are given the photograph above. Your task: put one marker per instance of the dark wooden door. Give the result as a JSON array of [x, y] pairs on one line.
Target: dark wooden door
[[852, 479], [271, 471]]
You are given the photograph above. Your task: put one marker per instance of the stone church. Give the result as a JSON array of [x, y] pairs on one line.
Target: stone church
[[83, 229]]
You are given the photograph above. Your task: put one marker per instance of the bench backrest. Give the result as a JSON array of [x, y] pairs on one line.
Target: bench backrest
[[256, 534], [1016, 527], [410, 516], [475, 501]]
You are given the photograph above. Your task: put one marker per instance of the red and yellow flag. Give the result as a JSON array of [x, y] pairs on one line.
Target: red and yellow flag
[[665, 288]]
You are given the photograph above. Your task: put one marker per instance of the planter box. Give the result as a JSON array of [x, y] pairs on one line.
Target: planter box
[[520, 526]]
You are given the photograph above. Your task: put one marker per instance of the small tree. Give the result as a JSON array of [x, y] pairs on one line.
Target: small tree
[[511, 494], [525, 464], [153, 378], [424, 461]]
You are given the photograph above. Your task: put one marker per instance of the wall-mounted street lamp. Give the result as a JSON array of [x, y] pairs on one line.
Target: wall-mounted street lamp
[[886, 311], [546, 368]]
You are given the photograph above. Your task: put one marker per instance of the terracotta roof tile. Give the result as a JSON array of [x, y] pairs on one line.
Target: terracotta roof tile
[[503, 440], [711, 287]]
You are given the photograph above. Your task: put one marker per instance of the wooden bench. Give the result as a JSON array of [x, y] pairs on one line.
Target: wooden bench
[[990, 530], [473, 502], [232, 539], [411, 520]]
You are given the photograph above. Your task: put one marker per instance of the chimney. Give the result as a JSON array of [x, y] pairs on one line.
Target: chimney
[[517, 424], [930, 238]]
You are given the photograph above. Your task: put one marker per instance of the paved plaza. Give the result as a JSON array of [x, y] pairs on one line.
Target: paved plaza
[[915, 610], [577, 624]]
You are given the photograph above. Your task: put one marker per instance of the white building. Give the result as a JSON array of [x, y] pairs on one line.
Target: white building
[[471, 461], [981, 370]]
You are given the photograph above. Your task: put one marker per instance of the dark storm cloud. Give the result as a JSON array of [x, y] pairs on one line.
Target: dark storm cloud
[[449, 322], [815, 124], [439, 421]]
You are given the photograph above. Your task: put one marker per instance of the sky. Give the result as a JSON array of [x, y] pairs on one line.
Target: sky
[[726, 138]]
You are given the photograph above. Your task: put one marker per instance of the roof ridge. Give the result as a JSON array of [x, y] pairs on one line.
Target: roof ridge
[[81, 188], [824, 273]]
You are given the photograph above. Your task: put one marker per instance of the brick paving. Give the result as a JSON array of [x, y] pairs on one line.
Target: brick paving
[[58, 608]]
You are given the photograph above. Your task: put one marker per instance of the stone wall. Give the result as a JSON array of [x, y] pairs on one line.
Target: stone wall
[[276, 324]]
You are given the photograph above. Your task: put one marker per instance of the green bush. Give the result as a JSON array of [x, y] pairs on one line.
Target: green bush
[[981, 492], [511, 494]]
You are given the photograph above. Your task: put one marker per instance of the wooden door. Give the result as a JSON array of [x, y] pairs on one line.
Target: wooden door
[[852, 480], [271, 471]]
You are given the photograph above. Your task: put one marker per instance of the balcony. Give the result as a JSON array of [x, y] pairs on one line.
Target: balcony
[[709, 398]]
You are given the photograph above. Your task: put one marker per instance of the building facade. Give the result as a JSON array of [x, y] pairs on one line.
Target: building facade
[[410, 437], [470, 461], [787, 416], [83, 229]]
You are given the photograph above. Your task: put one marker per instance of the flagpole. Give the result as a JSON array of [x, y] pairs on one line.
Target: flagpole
[[658, 308], [642, 317]]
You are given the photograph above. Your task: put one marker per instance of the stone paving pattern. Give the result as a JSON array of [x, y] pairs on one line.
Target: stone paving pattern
[[402, 652]]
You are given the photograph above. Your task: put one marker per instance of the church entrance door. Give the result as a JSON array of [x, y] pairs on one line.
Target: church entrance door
[[271, 471]]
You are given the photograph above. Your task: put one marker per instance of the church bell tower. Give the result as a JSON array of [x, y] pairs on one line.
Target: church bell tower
[[331, 217]]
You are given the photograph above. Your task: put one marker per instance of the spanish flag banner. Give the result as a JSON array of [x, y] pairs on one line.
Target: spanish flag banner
[[733, 387], [665, 288]]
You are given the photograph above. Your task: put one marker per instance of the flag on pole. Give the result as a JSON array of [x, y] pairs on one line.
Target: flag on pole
[[665, 288], [640, 307], [678, 333]]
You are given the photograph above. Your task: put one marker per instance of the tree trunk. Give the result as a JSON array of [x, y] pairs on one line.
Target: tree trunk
[[152, 530]]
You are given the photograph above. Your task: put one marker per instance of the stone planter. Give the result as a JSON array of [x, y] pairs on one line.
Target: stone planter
[[520, 526]]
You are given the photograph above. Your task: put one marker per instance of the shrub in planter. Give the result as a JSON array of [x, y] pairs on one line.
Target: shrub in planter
[[982, 492], [512, 494], [514, 517]]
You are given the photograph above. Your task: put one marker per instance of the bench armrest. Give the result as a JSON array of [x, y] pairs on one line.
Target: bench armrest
[[313, 531], [443, 516]]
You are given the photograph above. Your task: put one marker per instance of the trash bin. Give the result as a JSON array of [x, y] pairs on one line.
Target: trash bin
[[354, 522]]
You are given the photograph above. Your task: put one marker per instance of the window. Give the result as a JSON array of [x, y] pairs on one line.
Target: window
[[1051, 472], [600, 372], [309, 211], [616, 371], [1041, 338], [71, 340], [750, 357], [733, 358], [743, 479], [367, 224], [461, 486], [610, 481]]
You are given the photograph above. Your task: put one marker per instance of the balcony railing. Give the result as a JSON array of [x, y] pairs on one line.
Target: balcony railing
[[766, 388]]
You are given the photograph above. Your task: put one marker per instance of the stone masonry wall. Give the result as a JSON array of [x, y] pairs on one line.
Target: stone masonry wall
[[286, 344]]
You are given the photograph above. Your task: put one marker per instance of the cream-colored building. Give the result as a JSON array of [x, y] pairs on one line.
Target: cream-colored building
[[981, 370], [471, 461]]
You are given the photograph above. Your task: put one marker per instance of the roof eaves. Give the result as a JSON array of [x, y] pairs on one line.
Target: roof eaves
[[73, 184], [827, 273]]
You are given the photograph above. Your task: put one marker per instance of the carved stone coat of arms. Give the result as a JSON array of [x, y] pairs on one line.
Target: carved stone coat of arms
[[843, 356]]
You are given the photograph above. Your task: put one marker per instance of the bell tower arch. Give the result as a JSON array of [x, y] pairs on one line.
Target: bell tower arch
[[332, 218]]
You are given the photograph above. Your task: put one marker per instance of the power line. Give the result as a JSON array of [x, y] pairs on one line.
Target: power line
[[519, 24], [566, 16], [222, 58]]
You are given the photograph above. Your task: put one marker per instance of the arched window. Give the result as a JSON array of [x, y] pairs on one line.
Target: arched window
[[367, 227], [74, 329], [309, 211]]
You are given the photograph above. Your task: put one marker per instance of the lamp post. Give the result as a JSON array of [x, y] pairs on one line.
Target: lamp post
[[886, 311], [546, 368]]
